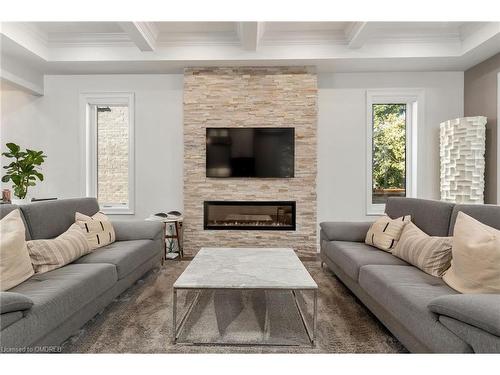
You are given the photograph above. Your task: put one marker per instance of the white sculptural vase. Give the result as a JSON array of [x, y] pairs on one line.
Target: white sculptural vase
[[462, 148]]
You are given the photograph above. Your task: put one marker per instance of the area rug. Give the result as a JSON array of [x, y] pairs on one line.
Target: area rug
[[140, 320]]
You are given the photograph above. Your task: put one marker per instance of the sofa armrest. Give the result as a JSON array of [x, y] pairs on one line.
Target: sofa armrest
[[11, 302], [345, 231], [478, 310], [138, 230]]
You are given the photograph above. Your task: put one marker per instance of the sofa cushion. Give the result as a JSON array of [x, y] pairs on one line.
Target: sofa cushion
[[479, 310], [125, 255], [481, 341], [10, 302], [433, 217], [488, 214], [57, 295], [351, 256], [10, 318], [405, 293], [61, 214]]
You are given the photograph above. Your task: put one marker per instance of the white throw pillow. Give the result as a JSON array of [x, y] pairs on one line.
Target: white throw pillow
[[384, 233], [15, 263], [98, 229], [475, 262]]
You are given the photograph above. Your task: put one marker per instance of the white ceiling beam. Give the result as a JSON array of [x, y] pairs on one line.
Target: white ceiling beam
[[21, 83], [28, 37], [250, 34], [357, 34], [478, 36], [143, 34]]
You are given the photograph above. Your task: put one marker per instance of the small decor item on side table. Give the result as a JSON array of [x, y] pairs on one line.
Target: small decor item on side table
[[6, 196], [23, 171], [173, 233]]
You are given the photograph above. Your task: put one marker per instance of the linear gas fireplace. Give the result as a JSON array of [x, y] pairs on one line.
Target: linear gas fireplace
[[245, 215]]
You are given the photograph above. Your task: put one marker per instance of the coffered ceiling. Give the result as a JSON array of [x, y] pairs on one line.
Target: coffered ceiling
[[167, 47]]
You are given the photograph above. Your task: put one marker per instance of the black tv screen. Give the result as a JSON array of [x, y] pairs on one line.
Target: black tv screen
[[250, 152]]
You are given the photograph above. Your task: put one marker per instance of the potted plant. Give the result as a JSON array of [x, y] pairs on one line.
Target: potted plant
[[23, 171]]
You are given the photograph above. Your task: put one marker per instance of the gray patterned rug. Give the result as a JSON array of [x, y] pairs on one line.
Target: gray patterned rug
[[140, 320]]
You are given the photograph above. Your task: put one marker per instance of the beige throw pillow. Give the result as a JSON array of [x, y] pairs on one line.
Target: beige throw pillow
[[475, 263], [431, 254], [384, 233], [98, 229], [15, 264], [47, 255]]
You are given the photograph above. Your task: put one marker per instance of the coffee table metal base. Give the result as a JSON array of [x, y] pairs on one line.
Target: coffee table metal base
[[311, 331]]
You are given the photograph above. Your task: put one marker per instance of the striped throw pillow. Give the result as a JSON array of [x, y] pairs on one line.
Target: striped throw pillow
[[98, 229], [431, 254], [384, 233], [47, 255]]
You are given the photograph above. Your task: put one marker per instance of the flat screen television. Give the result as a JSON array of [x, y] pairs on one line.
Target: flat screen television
[[250, 152]]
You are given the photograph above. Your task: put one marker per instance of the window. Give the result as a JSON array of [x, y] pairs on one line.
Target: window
[[110, 150], [392, 120]]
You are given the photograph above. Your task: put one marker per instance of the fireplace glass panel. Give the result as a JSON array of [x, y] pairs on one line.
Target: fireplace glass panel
[[267, 215]]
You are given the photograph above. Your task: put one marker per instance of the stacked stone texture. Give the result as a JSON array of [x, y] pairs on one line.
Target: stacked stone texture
[[250, 97], [112, 156], [462, 147]]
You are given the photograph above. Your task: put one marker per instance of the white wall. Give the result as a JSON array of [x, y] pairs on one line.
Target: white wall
[[51, 123], [342, 135]]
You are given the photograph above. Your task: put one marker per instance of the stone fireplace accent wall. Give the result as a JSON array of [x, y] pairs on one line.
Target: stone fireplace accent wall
[[250, 97]]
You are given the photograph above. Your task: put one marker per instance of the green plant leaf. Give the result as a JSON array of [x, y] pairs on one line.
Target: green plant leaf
[[39, 175], [13, 147], [6, 178], [17, 179]]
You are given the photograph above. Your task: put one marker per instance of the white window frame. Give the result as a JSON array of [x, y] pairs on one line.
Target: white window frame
[[414, 100], [88, 103]]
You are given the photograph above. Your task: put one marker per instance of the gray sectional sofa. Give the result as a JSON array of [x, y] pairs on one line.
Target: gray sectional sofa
[[46, 309], [419, 309]]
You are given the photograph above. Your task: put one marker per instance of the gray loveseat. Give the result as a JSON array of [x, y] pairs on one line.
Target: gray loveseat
[[46, 309], [419, 309]]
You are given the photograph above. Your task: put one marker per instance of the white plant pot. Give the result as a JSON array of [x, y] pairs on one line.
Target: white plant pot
[[20, 202]]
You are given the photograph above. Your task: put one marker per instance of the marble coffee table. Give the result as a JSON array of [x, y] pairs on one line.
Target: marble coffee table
[[246, 269]]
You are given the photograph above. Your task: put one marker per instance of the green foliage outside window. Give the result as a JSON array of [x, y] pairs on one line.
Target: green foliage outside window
[[389, 146]]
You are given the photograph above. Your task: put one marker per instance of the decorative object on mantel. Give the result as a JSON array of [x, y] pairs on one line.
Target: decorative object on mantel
[[462, 147], [173, 232], [23, 171]]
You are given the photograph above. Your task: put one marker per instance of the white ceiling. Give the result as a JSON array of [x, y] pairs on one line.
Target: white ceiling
[[195, 27], [167, 47], [49, 28]]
